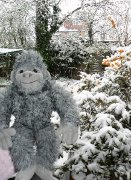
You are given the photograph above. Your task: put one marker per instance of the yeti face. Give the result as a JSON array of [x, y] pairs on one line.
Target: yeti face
[[29, 72], [29, 79]]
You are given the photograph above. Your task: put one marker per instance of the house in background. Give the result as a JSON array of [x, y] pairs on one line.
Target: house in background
[[72, 26], [103, 30]]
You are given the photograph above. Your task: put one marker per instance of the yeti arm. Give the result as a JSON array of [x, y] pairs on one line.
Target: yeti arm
[[65, 106], [68, 112]]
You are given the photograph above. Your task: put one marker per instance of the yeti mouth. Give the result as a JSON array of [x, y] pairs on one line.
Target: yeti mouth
[[28, 82]]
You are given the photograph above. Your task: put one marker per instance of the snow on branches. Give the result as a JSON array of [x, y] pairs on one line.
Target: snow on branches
[[103, 150]]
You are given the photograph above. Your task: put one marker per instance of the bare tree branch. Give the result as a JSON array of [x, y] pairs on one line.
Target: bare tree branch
[[58, 2], [70, 14]]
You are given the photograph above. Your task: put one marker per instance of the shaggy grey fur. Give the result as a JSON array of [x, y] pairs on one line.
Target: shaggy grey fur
[[32, 105]]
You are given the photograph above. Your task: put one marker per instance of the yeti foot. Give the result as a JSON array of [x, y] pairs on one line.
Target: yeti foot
[[25, 174], [44, 174]]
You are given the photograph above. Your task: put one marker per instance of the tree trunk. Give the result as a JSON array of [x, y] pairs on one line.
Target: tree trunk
[[43, 35], [90, 33]]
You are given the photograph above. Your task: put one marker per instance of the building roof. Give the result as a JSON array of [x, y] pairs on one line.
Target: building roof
[[63, 29], [6, 50]]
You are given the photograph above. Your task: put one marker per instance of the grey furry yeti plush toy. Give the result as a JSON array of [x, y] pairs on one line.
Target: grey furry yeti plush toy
[[31, 98]]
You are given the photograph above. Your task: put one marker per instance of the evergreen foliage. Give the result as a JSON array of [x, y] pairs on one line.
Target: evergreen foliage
[[67, 56]]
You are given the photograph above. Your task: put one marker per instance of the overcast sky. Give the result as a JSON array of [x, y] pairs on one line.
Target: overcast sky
[[69, 5]]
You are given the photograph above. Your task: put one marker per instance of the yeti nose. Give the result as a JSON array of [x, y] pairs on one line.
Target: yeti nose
[[27, 74]]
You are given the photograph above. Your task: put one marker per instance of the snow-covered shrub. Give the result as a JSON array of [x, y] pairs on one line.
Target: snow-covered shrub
[[103, 150], [71, 54], [67, 55]]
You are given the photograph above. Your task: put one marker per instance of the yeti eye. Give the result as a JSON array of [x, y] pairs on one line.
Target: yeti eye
[[21, 71], [35, 70]]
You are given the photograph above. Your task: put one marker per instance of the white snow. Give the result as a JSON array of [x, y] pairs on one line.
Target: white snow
[[62, 160], [6, 50], [101, 96], [12, 120], [116, 107], [115, 99], [84, 96], [55, 118], [128, 64]]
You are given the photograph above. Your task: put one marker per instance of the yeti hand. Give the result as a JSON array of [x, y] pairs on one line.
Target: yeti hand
[[5, 138], [68, 133]]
